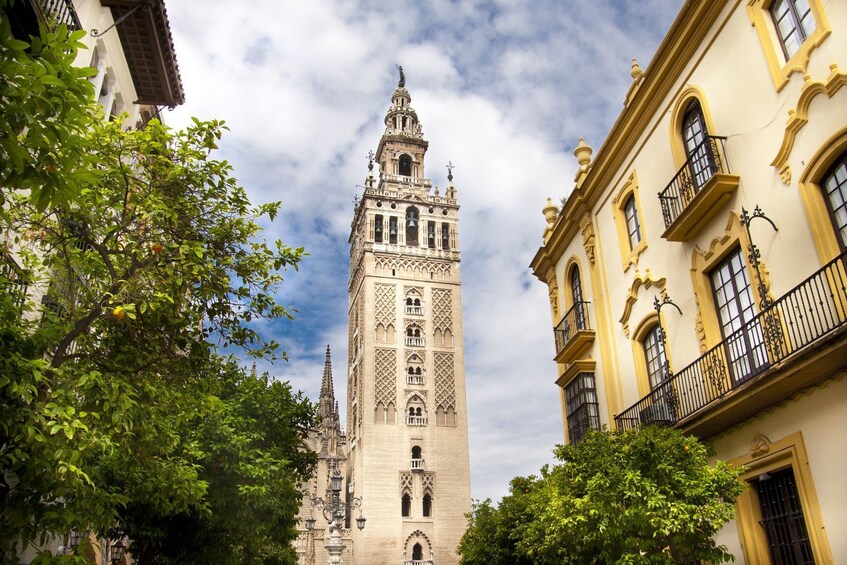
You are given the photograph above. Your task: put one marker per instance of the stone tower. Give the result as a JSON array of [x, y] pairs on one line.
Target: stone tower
[[407, 424]]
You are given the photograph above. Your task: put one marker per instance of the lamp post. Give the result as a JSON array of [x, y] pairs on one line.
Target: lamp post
[[334, 512]]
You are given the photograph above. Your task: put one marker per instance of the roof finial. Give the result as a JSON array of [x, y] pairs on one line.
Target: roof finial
[[370, 164], [402, 82], [450, 166]]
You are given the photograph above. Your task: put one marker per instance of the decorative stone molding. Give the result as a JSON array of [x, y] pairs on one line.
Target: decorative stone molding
[[587, 229], [647, 280], [760, 445], [798, 117]]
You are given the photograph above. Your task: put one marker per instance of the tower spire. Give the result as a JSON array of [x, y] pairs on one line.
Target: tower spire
[[326, 404]]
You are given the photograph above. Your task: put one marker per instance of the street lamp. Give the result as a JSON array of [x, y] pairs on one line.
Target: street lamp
[[118, 550], [334, 512]]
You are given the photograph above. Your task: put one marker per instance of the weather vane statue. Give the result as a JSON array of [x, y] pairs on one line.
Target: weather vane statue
[[402, 82]]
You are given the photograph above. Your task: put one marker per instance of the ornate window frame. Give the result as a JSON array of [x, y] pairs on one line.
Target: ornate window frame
[[645, 326], [629, 254], [703, 262], [811, 192], [688, 95], [759, 12], [765, 456]]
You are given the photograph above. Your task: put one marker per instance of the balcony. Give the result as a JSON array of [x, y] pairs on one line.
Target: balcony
[[415, 420], [698, 191], [414, 310], [415, 341], [417, 465], [25, 16], [573, 334], [797, 341], [415, 380], [418, 562]]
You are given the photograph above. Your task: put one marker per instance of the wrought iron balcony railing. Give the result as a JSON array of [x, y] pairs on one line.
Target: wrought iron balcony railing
[[707, 159], [800, 319], [574, 320], [55, 12]]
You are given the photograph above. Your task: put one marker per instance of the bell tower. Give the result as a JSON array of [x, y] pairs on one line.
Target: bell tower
[[407, 425]]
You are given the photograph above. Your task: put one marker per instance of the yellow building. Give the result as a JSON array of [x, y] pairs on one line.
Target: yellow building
[[697, 272]]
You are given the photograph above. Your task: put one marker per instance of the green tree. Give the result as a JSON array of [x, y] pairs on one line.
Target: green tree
[[641, 496], [45, 111], [148, 255]]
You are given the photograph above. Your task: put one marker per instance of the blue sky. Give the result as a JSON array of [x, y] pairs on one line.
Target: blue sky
[[503, 88]]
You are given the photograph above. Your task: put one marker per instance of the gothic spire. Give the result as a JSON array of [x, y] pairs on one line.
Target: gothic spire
[[326, 404]]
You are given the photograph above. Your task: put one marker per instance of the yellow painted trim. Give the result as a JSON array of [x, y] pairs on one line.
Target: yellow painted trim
[[817, 212], [683, 99], [797, 118], [629, 256], [612, 387], [575, 368], [647, 280], [780, 69], [766, 456]]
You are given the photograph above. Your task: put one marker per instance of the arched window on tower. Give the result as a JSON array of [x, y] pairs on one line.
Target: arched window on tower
[[405, 168], [427, 505], [578, 306], [406, 506], [417, 552], [412, 226], [417, 463]]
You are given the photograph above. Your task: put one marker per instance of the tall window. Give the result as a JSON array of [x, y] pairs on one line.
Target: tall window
[[445, 236], [654, 354], [576, 293], [835, 187], [745, 345], [633, 226], [378, 228], [411, 226], [430, 234], [417, 552], [427, 505], [794, 22], [406, 506], [392, 229], [694, 136], [583, 413], [405, 165], [783, 519]]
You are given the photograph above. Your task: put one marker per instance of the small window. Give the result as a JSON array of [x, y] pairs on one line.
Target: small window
[[633, 226], [417, 552], [392, 230], [378, 228], [794, 22], [406, 506], [427, 505], [835, 187], [445, 236], [654, 355]]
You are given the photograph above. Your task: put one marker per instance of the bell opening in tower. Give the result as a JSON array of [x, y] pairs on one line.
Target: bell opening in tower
[[405, 168]]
